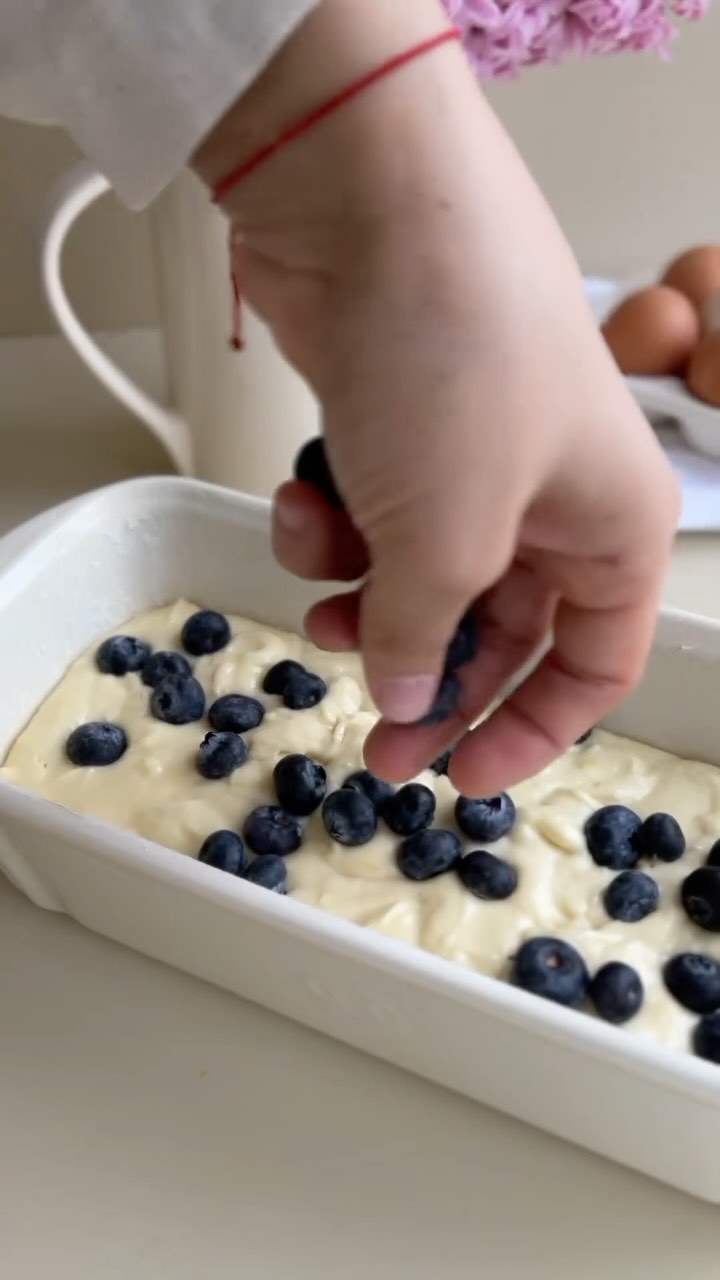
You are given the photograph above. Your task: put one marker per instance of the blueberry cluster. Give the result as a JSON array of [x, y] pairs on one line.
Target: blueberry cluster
[[618, 838], [313, 468], [552, 968], [177, 697], [299, 689]]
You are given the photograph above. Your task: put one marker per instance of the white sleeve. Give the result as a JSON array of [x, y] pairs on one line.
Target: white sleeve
[[138, 83]]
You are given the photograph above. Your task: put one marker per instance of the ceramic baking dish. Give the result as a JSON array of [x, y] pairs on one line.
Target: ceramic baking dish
[[143, 543]]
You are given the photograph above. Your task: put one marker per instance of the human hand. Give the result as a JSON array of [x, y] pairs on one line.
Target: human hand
[[485, 447]]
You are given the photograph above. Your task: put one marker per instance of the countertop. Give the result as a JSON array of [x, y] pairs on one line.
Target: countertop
[[154, 1127]]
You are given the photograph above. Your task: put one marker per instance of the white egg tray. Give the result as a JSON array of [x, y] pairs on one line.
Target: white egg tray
[[140, 544], [661, 398]]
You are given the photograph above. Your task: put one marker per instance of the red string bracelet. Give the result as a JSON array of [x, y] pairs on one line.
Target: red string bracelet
[[303, 125]]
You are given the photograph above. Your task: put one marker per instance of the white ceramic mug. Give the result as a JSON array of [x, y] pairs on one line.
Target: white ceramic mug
[[238, 418]]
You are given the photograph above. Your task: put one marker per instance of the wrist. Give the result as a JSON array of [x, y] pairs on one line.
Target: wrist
[[348, 164]]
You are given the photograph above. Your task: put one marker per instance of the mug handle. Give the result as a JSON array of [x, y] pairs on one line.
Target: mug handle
[[75, 192]]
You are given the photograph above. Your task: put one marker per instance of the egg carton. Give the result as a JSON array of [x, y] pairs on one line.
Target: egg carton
[[661, 399]]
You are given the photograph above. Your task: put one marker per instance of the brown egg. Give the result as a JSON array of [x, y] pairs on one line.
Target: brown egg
[[695, 273], [652, 331], [703, 375], [710, 313]]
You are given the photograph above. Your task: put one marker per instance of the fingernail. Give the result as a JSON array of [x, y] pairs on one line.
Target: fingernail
[[404, 699], [293, 516]]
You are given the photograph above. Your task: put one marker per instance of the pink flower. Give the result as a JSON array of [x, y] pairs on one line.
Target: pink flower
[[503, 36]]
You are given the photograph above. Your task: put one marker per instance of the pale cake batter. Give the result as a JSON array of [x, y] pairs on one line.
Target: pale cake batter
[[155, 790]]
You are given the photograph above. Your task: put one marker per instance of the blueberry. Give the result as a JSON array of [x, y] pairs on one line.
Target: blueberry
[[96, 743], [440, 765], [304, 690], [178, 700], [611, 834], [236, 713], [713, 858], [583, 737], [268, 871], [631, 896], [165, 663], [706, 1037], [300, 784], [277, 677], [700, 896], [224, 850], [487, 819], [376, 789], [119, 655], [551, 968], [428, 854], [661, 836], [487, 876], [312, 467], [269, 829], [349, 817], [694, 981], [617, 992], [410, 809], [205, 632], [220, 754], [464, 645], [445, 701]]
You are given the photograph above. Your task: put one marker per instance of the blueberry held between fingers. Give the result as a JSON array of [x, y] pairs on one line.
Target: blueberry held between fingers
[[205, 632], [178, 700], [236, 713], [313, 468], [440, 765], [445, 701], [410, 809], [96, 744], [694, 981], [268, 871], [700, 896], [706, 1037], [487, 876], [164, 663], [300, 784], [349, 817], [269, 829], [487, 819], [551, 968], [225, 851], [276, 678], [119, 655], [631, 896], [611, 837], [464, 645], [617, 992], [428, 854], [376, 789], [303, 690], [661, 836], [220, 754]]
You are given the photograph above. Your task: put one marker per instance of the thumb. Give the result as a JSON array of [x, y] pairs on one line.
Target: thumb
[[418, 589]]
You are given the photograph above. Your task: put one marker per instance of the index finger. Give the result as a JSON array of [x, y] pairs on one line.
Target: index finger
[[598, 655]]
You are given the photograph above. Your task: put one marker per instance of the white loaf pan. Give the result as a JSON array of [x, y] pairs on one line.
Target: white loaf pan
[[144, 543]]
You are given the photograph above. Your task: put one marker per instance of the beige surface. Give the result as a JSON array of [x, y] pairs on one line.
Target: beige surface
[[625, 148], [109, 267]]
